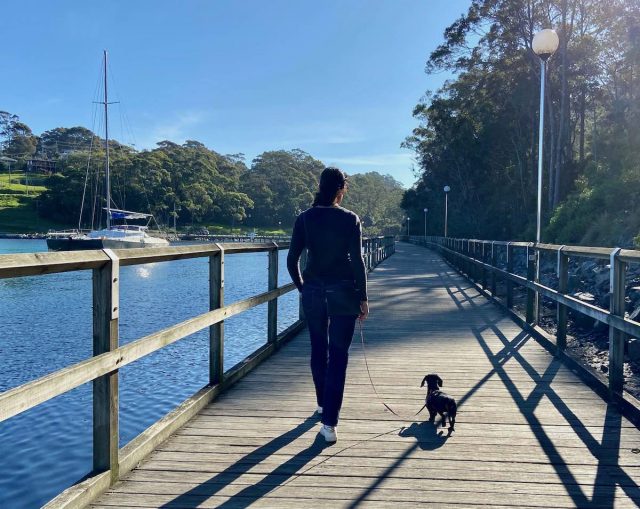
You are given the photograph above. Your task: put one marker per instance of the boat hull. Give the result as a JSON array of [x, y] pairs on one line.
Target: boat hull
[[71, 244]]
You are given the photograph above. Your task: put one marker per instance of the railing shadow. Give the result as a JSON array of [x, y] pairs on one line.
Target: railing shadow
[[609, 473], [253, 492]]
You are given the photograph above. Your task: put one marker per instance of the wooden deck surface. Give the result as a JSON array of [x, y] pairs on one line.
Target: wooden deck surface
[[529, 433]]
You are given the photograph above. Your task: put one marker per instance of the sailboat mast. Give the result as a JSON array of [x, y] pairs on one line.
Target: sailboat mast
[[106, 143]]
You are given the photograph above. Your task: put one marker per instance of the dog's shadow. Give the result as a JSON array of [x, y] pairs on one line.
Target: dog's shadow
[[429, 436]]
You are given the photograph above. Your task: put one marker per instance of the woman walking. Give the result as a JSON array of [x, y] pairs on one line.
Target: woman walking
[[333, 287]]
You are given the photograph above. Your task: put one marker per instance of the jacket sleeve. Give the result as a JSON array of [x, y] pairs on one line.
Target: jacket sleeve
[[295, 250], [357, 263]]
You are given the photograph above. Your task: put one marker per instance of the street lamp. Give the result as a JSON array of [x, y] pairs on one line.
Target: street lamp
[[425, 222], [408, 229], [544, 44], [446, 208]]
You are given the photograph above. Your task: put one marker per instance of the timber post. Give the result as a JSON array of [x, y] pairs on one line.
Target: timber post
[[616, 336], [106, 312], [531, 276], [561, 309], [216, 331], [272, 306]]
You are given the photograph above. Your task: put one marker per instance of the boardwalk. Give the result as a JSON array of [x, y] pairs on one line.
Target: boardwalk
[[528, 433]]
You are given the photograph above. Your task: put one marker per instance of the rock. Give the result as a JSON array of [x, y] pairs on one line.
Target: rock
[[572, 282], [604, 368], [585, 297], [602, 280], [633, 349], [587, 266], [599, 326], [604, 300]]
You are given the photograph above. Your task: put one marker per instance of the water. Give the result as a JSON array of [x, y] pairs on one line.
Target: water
[[46, 324]]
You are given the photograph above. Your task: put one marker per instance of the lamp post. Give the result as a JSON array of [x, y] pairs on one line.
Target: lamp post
[[544, 44], [425, 222], [408, 228], [446, 209]]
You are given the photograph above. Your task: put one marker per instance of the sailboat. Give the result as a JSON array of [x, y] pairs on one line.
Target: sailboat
[[114, 236]]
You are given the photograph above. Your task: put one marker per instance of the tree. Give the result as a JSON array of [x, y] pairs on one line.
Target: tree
[[281, 184], [16, 138], [478, 133]]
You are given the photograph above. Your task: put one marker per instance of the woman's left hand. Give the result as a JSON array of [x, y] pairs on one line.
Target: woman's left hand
[[364, 310]]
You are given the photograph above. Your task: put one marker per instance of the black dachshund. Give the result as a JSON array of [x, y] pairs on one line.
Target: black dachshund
[[438, 402]]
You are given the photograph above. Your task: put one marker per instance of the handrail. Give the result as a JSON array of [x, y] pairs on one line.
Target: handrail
[[468, 261], [109, 461]]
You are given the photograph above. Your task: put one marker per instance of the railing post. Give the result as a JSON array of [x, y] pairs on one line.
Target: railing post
[[531, 274], [272, 306], [509, 283], [216, 331], [616, 337], [561, 309], [472, 253], [494, 264], [483, 269], [106, 312]]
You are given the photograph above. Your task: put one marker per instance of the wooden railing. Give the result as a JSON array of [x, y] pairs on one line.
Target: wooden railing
[[477, 259], [109, 461]]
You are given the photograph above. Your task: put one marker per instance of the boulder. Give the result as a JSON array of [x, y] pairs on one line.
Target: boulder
[[586, 267], [581, 319], [633, 349], [602, 280], [573, 281]]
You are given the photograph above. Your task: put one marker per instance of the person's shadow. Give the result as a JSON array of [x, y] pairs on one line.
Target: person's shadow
[[279, 476], [429, 436]]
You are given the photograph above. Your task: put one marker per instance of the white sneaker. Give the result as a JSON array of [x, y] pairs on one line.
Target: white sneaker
[[329, 433], [319, 410]]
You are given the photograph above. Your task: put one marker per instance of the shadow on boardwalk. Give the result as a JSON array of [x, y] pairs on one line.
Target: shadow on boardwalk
[[522, 383], [253, 492], [609, 473]]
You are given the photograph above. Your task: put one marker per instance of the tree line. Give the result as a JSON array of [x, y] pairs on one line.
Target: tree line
[[188, 182], [478, 133]]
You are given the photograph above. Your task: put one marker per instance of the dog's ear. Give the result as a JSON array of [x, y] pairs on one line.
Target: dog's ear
[[423, 381], [439, 381]]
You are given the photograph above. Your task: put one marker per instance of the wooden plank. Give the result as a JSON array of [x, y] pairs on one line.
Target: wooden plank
[[528, 432], [33, 264]]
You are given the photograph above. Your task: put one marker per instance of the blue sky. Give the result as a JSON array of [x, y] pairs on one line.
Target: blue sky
[[336, 78]]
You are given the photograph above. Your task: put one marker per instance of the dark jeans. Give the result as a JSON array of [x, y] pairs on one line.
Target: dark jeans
[[330, 341]]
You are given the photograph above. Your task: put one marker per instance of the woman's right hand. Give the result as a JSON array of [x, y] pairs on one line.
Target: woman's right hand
[[364, 310]]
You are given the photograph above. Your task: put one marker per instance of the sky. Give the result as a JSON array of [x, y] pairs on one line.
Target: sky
[[335, 78]]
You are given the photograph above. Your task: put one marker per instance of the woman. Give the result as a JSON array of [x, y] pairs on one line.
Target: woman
[[334, 291]]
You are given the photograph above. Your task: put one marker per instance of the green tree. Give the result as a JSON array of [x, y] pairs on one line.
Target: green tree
[[281, 184]]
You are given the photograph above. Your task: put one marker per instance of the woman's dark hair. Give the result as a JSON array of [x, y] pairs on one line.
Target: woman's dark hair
[[331, 181]]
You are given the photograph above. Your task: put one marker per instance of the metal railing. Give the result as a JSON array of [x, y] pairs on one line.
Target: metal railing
[[477, 259], [109, 461]]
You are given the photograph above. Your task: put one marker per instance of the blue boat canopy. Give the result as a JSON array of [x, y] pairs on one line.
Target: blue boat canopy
[[126, 214]]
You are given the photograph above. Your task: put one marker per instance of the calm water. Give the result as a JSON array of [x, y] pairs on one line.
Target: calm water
[[45, 325]]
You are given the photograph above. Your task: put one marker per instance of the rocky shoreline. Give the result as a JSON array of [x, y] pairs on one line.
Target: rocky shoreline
[[587, 338]]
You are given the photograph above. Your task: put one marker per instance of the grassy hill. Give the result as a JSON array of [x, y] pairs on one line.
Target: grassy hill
[[18, 202]]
